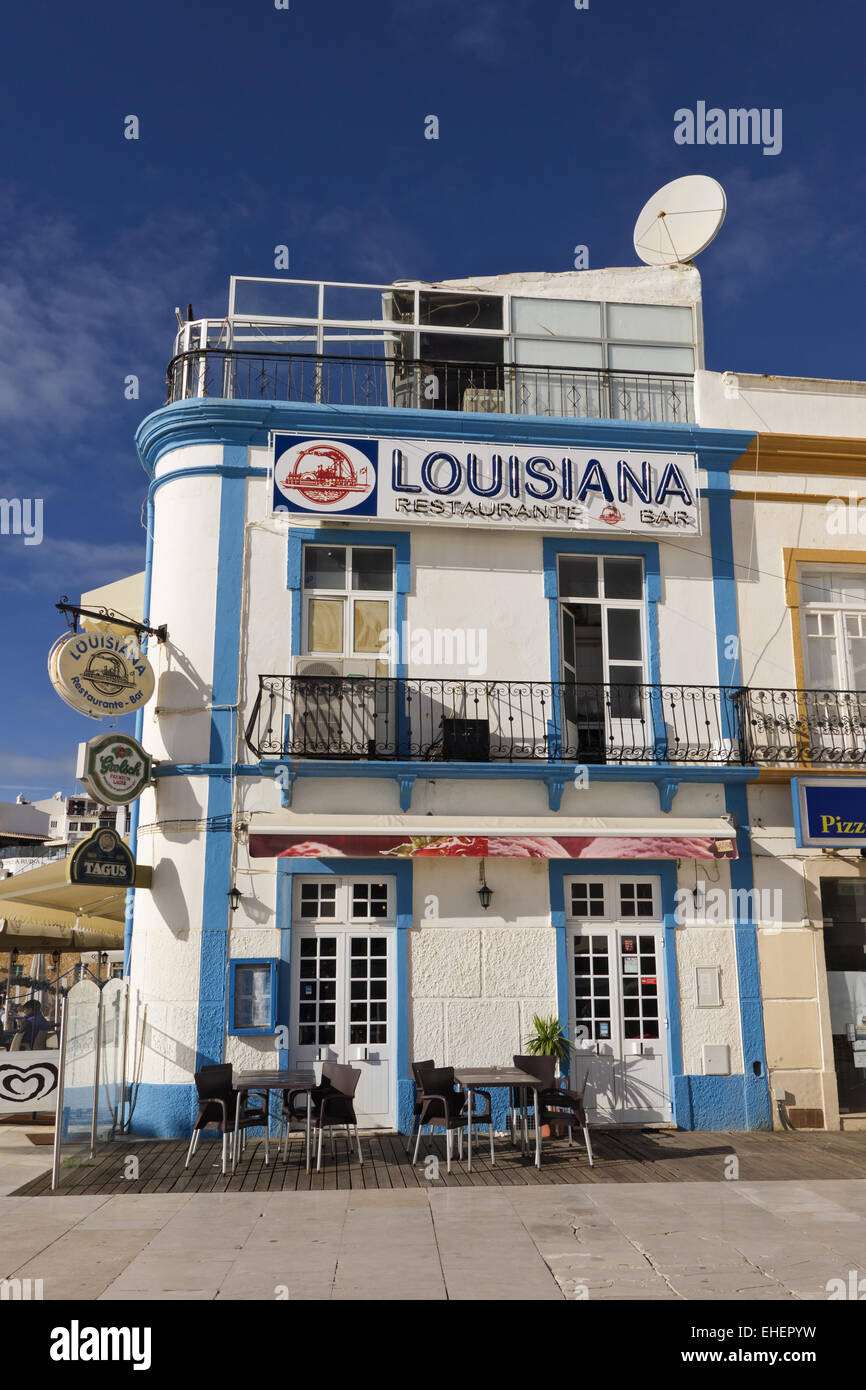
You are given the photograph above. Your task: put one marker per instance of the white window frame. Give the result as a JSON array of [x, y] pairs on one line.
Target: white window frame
[[348, 595], [613, 915], [606, 604], [839, 612]]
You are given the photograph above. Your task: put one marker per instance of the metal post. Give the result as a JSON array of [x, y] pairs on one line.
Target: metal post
[[95, 1107], [58, 1111], [121, 1108]]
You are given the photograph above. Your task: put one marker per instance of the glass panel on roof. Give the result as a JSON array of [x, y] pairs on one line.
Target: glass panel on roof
[[460, 309], [650, 359], [558, 353], [556, 318], [654, 323], [353, 302], [283, 299]]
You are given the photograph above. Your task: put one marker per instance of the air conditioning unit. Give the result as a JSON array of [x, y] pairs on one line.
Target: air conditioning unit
[[340, 710], [335, 666], [484, 401]]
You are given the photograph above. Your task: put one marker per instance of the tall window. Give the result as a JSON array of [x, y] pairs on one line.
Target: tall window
[[833, 610], [348, 600], [602, 617]]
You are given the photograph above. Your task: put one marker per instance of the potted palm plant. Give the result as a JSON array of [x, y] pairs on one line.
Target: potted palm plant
[[548, 1039]]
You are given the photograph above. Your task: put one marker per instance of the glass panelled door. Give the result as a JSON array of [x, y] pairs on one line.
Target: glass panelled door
[[602, 650], [343, 945], [618, 1012]]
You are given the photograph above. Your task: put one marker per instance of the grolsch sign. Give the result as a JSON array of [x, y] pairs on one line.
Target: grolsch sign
[[114, 769]]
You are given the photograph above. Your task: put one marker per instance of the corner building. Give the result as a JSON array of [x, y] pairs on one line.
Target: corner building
[[447, 572]]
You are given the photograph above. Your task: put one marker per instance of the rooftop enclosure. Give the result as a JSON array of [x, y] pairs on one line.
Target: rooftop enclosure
[[607, 344]]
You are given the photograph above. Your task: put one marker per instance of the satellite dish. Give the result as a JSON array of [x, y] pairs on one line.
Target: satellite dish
[[680, 220]]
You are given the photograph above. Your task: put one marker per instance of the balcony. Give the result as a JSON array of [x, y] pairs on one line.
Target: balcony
[[812, 728], [483, 388], [453, 720], [431, 720]]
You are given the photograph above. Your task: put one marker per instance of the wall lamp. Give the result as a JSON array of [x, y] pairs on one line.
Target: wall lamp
[[234, 897], [484, 893]]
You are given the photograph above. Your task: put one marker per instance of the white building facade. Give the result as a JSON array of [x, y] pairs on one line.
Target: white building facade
[[451, 605]]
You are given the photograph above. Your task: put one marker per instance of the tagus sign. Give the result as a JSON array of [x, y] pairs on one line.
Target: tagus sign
[[113, 769], [103, 858], [101, 673], [604, 491]]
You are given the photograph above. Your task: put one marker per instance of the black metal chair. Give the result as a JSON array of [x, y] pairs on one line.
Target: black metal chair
[[559, 1105], [218, 1105], [333, 1106], [544, 1068], [441, 1105], [418, 1070]]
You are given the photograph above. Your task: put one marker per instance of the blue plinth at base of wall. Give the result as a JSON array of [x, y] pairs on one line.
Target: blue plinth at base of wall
[[164, 1112], [721, 1102]]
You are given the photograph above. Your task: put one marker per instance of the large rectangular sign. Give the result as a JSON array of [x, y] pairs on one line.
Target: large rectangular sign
[[605, 491], [830, 811]]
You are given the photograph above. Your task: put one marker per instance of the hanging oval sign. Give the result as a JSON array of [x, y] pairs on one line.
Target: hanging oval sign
[[102, 858], [113, 768], [102, 674]]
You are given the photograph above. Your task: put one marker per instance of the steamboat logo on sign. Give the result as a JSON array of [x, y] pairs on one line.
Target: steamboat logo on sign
[[101, 673], [324, 475]]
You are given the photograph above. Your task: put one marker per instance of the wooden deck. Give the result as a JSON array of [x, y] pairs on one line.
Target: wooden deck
[[625, 1156]]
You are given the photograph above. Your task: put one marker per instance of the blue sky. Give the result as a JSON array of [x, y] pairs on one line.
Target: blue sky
[[306, 127]]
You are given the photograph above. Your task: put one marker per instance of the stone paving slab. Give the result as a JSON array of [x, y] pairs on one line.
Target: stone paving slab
[[660, 1241]]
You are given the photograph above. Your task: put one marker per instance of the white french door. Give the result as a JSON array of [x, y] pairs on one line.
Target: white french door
[[602, 646], [618, 1006], [343, 976]]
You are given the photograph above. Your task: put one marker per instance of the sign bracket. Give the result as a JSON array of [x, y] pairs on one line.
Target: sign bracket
[[72, 612]]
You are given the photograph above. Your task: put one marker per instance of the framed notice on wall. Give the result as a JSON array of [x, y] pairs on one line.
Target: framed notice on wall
[[253, 996]]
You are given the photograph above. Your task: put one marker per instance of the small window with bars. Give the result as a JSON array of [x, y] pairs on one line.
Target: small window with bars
[[318, 900], [636, 900], [588, 899], [369, 901]]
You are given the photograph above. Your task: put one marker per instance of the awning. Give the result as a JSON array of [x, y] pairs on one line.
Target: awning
[[480, 837], [40, 910]]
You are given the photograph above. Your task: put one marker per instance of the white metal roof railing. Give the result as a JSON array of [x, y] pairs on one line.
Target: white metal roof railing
[[393, 325]]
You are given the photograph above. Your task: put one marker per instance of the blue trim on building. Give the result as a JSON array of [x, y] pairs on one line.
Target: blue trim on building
[[164, 1111], [724, 579], [287, 869], [246, 422], [213, 969], [757, 1112]]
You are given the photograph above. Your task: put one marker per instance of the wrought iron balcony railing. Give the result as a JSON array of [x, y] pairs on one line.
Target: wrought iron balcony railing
[[427, 719], [230, 374], [823, 728]]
